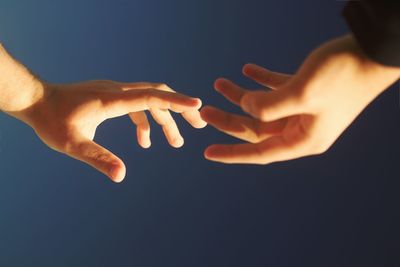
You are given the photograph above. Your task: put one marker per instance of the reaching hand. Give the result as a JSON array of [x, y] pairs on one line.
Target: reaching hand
[[305, 113], [67, 116]]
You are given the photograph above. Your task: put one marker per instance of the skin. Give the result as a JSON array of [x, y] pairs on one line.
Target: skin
[[298, 115], [291, 117], [65, 116]]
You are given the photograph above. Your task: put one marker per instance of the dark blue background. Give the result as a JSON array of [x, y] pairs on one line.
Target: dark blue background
[[175, 208]]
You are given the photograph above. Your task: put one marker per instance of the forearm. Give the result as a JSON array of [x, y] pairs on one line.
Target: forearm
[[339, 64], [19, 89], [374, 76]]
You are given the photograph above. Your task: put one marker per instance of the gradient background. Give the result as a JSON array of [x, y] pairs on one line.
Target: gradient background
[[175, 208]]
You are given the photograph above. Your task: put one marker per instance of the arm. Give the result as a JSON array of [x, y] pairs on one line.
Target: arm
[[65, 116], [19, 89], [306, 112]]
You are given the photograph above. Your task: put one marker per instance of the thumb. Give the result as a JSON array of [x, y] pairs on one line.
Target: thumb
[[99, 158], [270, 106]]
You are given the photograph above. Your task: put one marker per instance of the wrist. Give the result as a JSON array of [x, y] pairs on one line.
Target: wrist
[[20, 90], [341, 61], [374, 77], [22, 95], [36, 98]]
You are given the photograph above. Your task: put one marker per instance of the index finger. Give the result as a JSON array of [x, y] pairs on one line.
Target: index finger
[[230, 90], [123, 102], [264, 77], [191, 116]]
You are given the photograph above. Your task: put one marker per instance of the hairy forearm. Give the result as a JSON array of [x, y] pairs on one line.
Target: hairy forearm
[[19, 89]]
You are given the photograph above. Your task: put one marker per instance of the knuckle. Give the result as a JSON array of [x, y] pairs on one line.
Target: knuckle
[[150, 92], [257, 131], [144, 126], [265, 160], [161, 86], [151, 97], [67, 147], [99, 156], [250, 105], [147, 97], [106, 82], [319, 148], [244, 100], [168, 123], [86, 151], [324, 148], [305, 98], [261, 154], [147, 94], [296, 98], [261, 112]]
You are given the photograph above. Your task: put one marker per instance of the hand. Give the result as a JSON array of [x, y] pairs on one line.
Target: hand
[[66, 117], [305, 113]]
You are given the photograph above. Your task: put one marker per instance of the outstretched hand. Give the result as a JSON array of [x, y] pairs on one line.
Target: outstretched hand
[[67, 116], [303, 114]]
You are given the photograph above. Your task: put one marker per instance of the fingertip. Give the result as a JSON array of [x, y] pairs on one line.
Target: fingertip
[[200, 124], [205, 156], [117, 172], [145, 144], [210, 155], [208, 152], [218, 84], [203, 124], [247, 68], [177, 142], [206, 109], [205, 112], [143, 137], [197, 102]]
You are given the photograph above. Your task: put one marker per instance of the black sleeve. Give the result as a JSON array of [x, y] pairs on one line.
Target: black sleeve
[[376, 27]]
